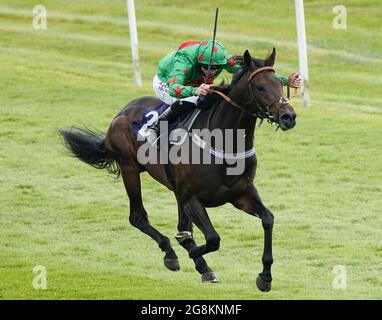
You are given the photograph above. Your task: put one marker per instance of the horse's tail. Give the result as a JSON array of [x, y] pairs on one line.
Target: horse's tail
[[89, 146]]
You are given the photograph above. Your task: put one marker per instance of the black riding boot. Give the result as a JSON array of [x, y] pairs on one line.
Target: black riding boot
[[177, 109]]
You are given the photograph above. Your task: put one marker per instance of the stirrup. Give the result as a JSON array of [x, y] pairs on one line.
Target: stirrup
[[151, 136]]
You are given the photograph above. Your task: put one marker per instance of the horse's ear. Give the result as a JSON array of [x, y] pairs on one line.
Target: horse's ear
[[270, 60], [247, 59]]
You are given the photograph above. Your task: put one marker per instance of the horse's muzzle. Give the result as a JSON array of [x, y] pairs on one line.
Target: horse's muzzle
[[287, 120]]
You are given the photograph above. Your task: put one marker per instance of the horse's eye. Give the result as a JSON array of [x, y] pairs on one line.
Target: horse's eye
[[260, 88]]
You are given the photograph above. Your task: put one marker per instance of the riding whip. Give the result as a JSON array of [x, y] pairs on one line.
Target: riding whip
[[213, 44]]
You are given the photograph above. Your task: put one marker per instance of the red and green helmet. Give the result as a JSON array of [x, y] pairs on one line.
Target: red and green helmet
[[205, 50]]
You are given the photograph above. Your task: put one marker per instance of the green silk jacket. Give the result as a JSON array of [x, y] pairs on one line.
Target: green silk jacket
[[181, 70]]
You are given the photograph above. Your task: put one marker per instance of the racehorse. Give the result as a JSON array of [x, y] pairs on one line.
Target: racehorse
[[254, 93]]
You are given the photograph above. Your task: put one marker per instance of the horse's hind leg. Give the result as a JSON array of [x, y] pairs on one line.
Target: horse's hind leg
[[184, 237], [138, 215]]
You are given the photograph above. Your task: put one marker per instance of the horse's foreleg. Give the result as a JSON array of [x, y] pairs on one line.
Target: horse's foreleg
[[185, 239], [198, 215], [138, 216], [252, 204]]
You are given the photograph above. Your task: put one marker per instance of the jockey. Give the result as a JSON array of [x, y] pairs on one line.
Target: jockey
[[183, 76]]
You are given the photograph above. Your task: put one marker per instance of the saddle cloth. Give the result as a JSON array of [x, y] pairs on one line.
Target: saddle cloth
[[177, 130]]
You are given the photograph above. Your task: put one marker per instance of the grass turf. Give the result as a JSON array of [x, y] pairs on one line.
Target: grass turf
[[322, 180]]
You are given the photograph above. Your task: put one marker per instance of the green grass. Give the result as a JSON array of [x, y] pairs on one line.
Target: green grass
[[322, 180]]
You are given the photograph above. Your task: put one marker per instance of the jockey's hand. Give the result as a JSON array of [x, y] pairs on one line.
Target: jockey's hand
[[294, 80], [203, 89]]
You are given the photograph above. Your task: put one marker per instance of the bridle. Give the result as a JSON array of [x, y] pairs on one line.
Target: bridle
[[263, 111]]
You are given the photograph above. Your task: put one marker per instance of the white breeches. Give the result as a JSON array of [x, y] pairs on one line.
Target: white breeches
[[161, 91]]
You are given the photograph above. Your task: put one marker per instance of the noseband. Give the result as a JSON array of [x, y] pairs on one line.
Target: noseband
[[263, 112]]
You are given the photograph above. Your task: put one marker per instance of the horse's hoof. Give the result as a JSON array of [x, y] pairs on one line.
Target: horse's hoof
[[172, 264], [264, 286], [209, 277]]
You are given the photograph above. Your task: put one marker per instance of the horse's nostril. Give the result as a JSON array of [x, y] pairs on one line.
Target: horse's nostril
[[286, 117]]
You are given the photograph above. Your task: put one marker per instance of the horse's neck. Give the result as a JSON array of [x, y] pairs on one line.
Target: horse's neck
[[226, 116]]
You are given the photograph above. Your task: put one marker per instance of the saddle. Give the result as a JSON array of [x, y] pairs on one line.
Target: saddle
[[179, 134], [177, 130]]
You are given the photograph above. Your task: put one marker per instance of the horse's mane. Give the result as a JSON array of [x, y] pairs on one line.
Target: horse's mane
[[259, 63], [226, 88]]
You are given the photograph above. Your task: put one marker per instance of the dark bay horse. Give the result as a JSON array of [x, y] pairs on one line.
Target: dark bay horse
[[255, 92]]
